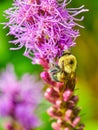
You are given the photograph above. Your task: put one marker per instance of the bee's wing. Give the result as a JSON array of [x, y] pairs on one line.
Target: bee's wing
[[62, 65], [71, 81]]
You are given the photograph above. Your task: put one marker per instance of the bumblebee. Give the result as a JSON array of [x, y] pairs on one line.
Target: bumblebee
[[64, 71]]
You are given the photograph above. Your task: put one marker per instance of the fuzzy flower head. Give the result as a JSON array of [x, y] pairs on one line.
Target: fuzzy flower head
[[45, 27], [19, 98]]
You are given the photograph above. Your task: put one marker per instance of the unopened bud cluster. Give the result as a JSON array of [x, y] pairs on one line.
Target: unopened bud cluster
[[64, 110]]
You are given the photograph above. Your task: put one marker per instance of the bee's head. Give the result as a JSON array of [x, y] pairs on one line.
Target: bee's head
[[67, 52]]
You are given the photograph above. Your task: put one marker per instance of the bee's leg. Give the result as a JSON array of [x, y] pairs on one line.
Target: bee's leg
[[53, 72], [55, 78]]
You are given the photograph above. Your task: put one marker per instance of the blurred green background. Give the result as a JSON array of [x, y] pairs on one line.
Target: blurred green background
[[86, 52]]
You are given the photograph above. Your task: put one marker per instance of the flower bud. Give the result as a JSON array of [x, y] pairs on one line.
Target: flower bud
[[56, 126], [67, 94], [45, 76], [76, 121], [58, 103], [53, 112], [66, 128], [68, 115]]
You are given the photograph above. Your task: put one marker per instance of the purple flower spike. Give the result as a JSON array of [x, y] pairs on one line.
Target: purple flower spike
[[45, 27], [19, 98]]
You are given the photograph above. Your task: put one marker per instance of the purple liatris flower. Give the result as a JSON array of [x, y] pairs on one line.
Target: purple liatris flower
[[19, 98], [45, 27]]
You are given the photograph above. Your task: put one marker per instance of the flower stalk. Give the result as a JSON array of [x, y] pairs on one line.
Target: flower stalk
[[47, 28]]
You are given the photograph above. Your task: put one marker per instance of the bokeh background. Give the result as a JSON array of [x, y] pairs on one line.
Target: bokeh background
[[86, 52]]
